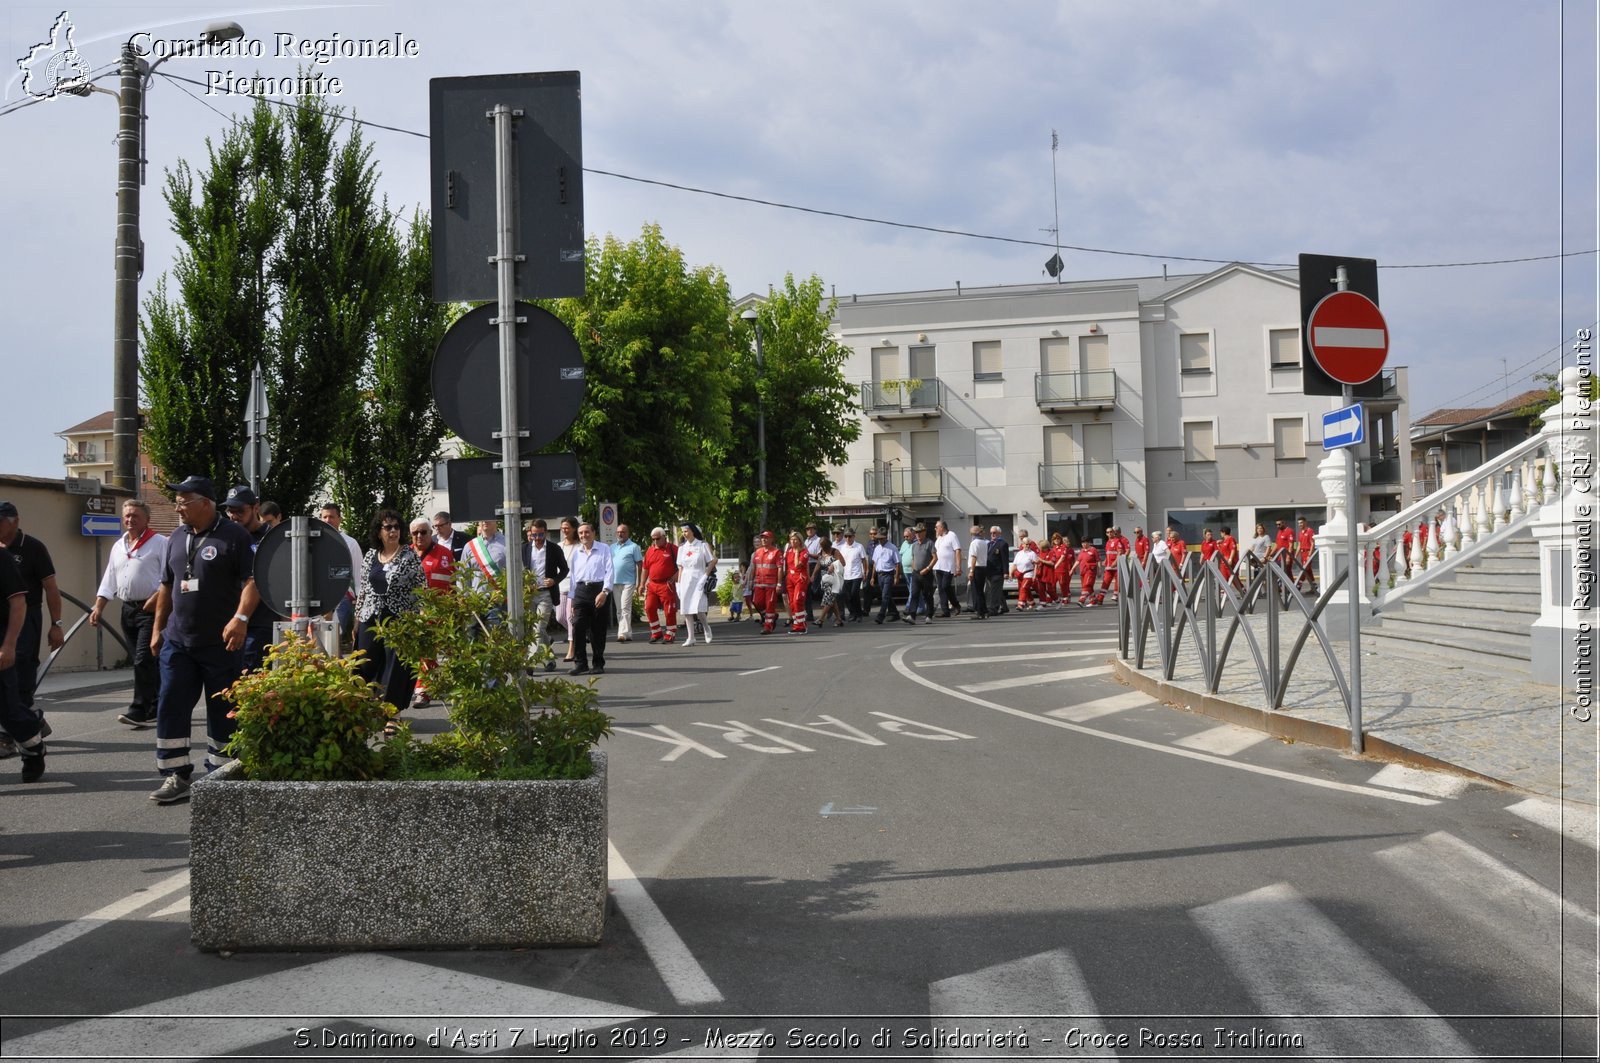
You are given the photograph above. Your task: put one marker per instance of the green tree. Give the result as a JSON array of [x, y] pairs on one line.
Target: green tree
[[657, 338], [285, 256], [387, 459], [810, 413]]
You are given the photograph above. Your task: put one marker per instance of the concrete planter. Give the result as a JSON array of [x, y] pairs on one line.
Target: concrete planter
[[397, 865]]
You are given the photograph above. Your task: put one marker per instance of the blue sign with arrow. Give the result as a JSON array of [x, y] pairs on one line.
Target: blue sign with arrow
[[101, 524], [1344, 428]]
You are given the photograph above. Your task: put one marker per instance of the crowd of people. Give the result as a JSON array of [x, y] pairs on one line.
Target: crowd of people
[[194, 621]]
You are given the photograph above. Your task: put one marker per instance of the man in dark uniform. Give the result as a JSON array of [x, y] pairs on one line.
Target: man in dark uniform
[[38, 574], [244, 510], [20, 726], [202, 614]]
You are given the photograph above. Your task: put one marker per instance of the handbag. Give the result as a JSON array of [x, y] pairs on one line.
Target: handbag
[[711, 583]]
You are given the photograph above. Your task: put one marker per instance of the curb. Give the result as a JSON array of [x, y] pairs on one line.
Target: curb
[[1290, 728]]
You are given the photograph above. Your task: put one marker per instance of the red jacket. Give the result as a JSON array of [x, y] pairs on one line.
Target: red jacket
[[660, 564], [767, 564], [1141, 548], [438, 565]]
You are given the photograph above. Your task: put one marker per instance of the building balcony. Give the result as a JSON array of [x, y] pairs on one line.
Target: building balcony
[[85, 456], [883, 399], [881, 484], [1090, 479], [1094, 390]]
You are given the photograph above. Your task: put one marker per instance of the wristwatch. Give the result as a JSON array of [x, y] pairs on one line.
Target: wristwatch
[[241, 618], [55, 623]]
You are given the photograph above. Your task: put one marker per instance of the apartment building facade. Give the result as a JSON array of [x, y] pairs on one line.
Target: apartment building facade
[[1081, 406]]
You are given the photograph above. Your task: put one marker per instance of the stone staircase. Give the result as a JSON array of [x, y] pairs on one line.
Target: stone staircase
[[1479, 613]]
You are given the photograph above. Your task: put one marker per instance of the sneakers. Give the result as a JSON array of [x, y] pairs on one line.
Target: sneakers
[[656, 637], [8, 748], [173, 788], [138, 718], [33, 766], [45, 730]]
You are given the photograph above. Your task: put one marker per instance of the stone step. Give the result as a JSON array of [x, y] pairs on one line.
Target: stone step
[[1475, 580], [1444, 615], [1492, 562], [1402, 636], [1512, 600]]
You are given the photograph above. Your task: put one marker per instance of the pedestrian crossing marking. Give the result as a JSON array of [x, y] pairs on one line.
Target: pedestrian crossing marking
[[1006, 658], [1224, 741], [1400, 777], [1014, 643], [1036, 680], [1047, 984], [1295, 961], [179, 907], [1093, 710], [1575, 821]]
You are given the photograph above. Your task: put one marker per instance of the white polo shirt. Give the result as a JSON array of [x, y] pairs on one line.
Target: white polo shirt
[[946, 548]]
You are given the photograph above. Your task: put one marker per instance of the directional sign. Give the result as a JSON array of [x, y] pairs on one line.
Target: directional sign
[[82, 485], [1343, 428], [101, 524], [102, 504], [1348, 337]]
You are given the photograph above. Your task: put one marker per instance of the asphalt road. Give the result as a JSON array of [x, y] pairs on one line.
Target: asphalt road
[[964, 838]]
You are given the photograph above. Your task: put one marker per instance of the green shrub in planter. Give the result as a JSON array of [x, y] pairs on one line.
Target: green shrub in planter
[[306, 717]]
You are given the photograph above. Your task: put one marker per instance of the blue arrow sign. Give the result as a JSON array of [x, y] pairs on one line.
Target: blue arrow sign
[[101, 524], [1343, 428]]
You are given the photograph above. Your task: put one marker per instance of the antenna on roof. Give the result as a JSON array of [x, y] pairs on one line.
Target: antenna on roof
[[1055, 267]]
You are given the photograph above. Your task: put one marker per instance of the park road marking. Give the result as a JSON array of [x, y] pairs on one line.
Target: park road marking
[[685, 978], [1400, 777], [1003, 658], [1037, 680], [20, 955], [1093, 710], [1575, 821], [1224, 741]]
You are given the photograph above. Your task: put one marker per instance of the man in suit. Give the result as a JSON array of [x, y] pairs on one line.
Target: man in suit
[[546, 567]]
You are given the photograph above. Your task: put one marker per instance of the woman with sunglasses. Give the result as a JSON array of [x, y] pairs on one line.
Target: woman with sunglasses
[[391, 575]]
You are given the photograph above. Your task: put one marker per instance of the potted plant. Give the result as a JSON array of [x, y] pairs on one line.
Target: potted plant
[[323, 835]]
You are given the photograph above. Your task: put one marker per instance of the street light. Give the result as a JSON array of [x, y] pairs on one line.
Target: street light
[[761, 416], [134, 75]]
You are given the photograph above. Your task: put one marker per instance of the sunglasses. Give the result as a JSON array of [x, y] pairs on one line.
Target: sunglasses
[[391, 527], [420, 531]]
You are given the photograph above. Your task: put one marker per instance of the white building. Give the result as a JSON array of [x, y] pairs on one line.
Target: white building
[[1080, 406]]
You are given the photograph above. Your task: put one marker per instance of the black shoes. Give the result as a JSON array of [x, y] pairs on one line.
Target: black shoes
[[580, 670], [33, 766], [138, 718]]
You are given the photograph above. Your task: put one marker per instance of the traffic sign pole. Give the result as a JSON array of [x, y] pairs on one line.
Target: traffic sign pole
[[510, 429], [1353, 561]]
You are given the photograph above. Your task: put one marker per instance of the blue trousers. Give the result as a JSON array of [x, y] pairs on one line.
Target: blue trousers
[[886, 607], [186, 672], [920, 599]]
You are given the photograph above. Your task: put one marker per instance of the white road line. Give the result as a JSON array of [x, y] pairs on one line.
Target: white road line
[[758, 671], [831, 656], [1224, 741], [1547, 930], [900, 666], [1012, 657], [1093, 710], [1047, 984], [1295, 961], [1437, 783], [175, 908], [685, 979], [1036, 680], [668, 690], [1575, 821], [20, 955]]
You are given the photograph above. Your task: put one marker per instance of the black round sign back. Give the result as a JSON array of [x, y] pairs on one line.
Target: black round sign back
[[466, 377], [331, 573]]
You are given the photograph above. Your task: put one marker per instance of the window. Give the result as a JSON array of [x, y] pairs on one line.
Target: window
[[986, 360], [991, 457], [1288, 438], [441, 476], [1199, 441], [1194, 364], [1283, 358]]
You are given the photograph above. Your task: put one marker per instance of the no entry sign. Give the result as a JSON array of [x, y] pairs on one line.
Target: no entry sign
[[1348, 337]]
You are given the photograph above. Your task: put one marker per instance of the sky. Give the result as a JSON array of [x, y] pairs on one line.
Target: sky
[[1420, 133]]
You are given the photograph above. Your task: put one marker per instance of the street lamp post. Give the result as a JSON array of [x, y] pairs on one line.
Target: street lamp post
[[761, 417], [133, 75]]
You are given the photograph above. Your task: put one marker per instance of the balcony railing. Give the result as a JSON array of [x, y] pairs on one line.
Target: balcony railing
[[1092, 390], [86, 456], [891, 484], [1089, 479], [1379, 472], [902, 398]]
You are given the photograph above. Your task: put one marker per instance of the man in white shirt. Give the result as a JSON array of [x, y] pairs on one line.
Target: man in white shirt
[[946, 554], [855, 557], [132, 576], [814, 561], [978, 573]]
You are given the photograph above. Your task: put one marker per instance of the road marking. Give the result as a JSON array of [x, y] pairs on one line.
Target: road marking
[[1037, 680], [758, 671], [685, 978], [831, 656], [668, 690], [739, 733], [179, 907], [1255, 769], [1069, 641], [1400, 777], [898, 725], [367, 990], [1047, 984], [1295, 961], [20, 955], [1575, 821], [1093, 710], [1009, 657], [1477, 887], [682, 742], [1224, 741], [851, 810]]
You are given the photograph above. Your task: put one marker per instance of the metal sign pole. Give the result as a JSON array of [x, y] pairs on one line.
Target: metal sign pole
[[1353, 562], [505, 260], [300, 574]]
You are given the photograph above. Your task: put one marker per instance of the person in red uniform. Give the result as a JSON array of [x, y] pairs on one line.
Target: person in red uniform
[[1141, 545], [1308, 551], [1208, 546], [1283, 549], [1044, 572], [660, 588], [1177, 551], [438, 570], [766, 567], [1116, 548], [797, 563], [1066, 567], [1088, 562], [1228, 551]]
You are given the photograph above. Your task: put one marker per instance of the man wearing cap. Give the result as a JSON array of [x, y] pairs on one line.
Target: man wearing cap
[[978, 572], [203, 609], [133, 576], [813, 545], [244, 509], [921, 575], [999, 565], [20, 727], [38, 572], [886, 575], [854, 558], [766, 568]]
